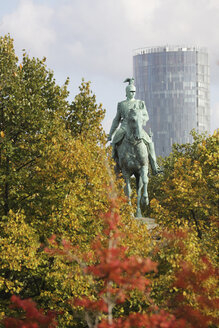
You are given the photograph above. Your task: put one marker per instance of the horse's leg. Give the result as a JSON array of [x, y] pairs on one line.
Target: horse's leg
[[128, 189], [139, 186], [144, 177]]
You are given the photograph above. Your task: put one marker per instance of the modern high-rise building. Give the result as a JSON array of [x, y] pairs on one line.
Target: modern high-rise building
[[174, 83]]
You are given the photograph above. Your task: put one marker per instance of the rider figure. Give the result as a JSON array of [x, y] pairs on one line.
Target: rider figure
[[121, 118]]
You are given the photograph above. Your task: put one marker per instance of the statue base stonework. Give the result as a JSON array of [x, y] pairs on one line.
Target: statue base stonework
[[150, 222]]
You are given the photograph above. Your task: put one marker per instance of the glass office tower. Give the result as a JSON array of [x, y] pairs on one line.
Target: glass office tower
[[174, 83]]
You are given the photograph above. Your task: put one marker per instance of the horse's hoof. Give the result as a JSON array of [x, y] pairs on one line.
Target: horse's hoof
[[144, 201], [138, 214]]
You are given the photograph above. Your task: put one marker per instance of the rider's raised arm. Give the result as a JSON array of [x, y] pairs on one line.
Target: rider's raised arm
[[115, 123]]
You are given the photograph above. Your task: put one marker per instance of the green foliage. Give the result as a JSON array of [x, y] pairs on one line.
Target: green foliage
[[114, 276], [185, 203], [54, 178], [49, 181], [186, 283], [30, 102], [187, 193], [55, 175], [84, 116]]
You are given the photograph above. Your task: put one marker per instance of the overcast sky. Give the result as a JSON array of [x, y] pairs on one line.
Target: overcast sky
[[95, 39]]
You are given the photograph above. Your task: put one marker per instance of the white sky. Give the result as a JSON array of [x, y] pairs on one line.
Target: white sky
[[95, 39]]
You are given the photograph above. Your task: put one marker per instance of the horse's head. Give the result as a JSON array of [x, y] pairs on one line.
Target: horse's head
[[135, 124]]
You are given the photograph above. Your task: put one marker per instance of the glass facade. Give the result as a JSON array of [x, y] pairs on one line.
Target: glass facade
[[174, 83]]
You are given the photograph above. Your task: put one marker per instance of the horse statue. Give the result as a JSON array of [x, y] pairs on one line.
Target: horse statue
[[133, 158], [132, 148]]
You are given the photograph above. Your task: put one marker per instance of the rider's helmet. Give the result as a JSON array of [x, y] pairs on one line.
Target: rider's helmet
[[130, 86]]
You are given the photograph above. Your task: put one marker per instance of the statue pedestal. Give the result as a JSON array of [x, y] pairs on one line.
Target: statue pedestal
[[150, 222]]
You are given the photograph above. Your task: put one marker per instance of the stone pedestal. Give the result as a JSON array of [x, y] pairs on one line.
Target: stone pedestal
[[150, 222]]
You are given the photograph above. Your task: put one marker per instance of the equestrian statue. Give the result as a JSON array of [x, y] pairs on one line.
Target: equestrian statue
[[132, 147]]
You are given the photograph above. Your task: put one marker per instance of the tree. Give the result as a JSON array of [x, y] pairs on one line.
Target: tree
[[201, 287], [31, 104], [55, 176], [188, 190], [53, 179], [34, 318], [84, 116], [185, 204], [113, 276]]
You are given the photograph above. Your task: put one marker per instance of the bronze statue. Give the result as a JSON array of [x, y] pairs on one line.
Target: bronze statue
[[132, 146]]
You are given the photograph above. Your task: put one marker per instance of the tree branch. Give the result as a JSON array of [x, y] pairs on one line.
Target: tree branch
[[197, 225]]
